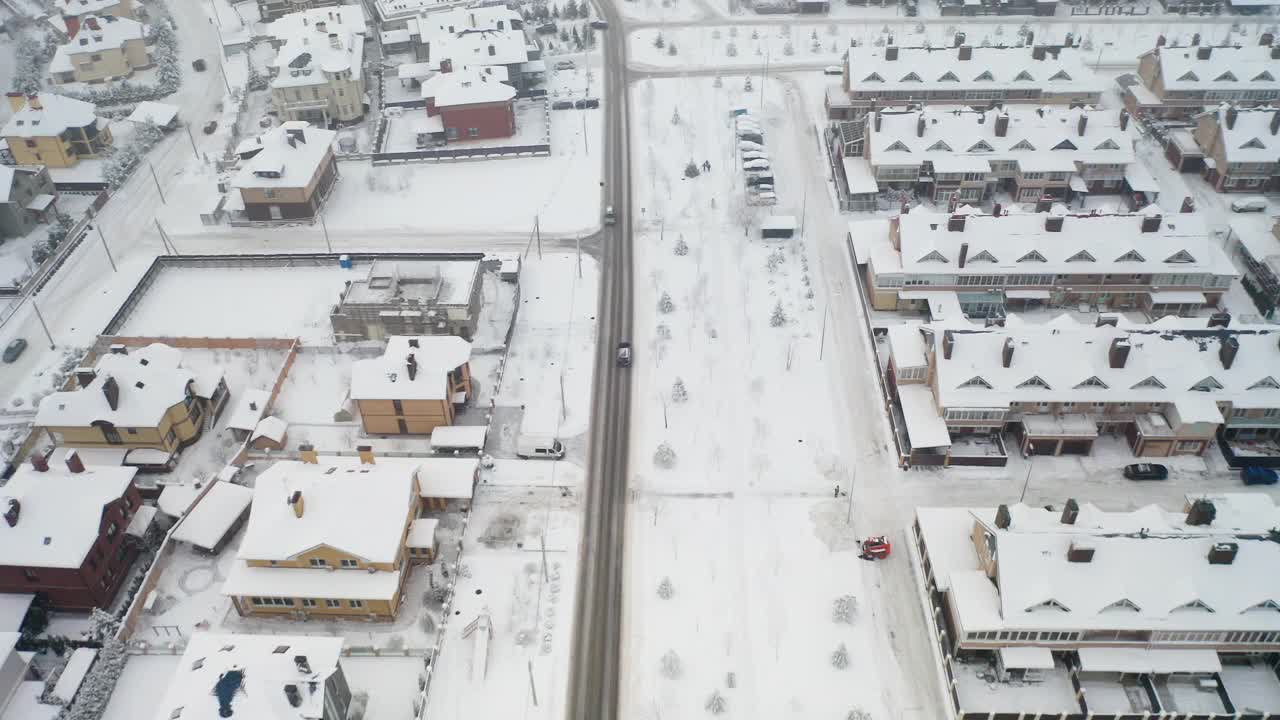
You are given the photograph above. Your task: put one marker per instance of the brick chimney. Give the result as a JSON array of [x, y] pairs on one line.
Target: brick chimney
[[366, 454], [33, 102], [321, 26], [1222, 320], [1118, 354], [1275, 52], [335, 42], [411, 365], [1108, 320], [1124, 120], [959, 40], [307, 454], [1201, 512], [1003, 518], [1038, 52], [1275, 121], [74, 463], [996, 209], [1161, 40], [955, 223], [1223, 553], [297, 503], [1053, 223], [1070, 512], [1188, 205], [1266, 39], [920, 125], [111, 391], [1082, 123], [948, 343], [12, 509], [964, 253], [1231, 116], [965, 54], [85, 376], [39, 463], [1150, 223], [891, 53], [1204, 53], [1002, 125], [1195, 39], [1006, 352], [1227, 350], [446, 66], [876, 121]]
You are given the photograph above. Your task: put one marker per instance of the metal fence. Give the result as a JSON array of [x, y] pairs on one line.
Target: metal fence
[[389, 158]]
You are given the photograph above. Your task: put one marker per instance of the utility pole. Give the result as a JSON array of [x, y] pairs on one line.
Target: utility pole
[[40, 317], [577, 241], [192, 139], [853, 476], [157, 182], [223, 73], [764, 78], [804, 209], [537, 233], [104, 247], [822, 346], [1031, 450], [325, 227]]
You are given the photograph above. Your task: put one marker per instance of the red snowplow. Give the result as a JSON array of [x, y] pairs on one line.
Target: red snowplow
[[876, 547]]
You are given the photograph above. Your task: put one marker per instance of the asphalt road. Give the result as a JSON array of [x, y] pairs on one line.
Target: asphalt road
[[597, 638]]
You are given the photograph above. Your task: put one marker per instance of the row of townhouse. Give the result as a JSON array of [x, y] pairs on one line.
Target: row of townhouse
[[879, 77], [1240, 147], [967, 156], [1179, 82], [1257, 248], [995, 263], [1169, 388]]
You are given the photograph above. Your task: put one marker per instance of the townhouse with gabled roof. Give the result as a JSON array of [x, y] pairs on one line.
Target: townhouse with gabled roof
[[892, 76], [1241, 148], [1178, 82]]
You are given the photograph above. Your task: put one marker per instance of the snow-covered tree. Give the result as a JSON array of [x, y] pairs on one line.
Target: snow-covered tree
[[788, 49], [671, 49], [665, 304], [858, 714], [584, 10], [571, 9], [840, 658], [663, 331], [659, 41], [671, 668], [678, 391], [779, 316], [665, 590], [776, 258], [28, 66], [682, 247], [577, 39], [664, 456], [716, 704], [731, 50], [564, 35], [746, 84], [359, 704], [755, 34], [844, 609], [675, 116]]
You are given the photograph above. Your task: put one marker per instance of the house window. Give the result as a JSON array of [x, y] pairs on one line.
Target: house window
[[398, 407], [451, 133], [170, 437], [349, 563], [31, 575], [308, 602], [131, 431], [319, 562], [95, 57], [269, 193], [473, 132], [330, 603], [356, 603]]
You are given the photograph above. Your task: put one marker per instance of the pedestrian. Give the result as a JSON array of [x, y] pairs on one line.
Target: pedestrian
[[706, 165], [837, 494]]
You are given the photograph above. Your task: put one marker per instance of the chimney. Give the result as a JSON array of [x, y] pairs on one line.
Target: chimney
[[33, 102], [1038, 52], [1003, 518], [1161, 40], [1227, 349], [964, 253], [1275, 52], [1081, 124], [1150, 223], [1044, 204], [955, 223], [411, 364], [85, 376], [1107, 320], [1053, 223], [1223, 553], [876, 122], [1002, 125], [321, 26], [74, 463], [1231, 116], [118, 349], [1202, 512], [1275, 121], [13, 508], [1124, 120], [1079, 552], [298, 134], [1188, 205], [1266, 39], [920, 125], [292, 695], [1221, 319], [413, 342], [334, 41], [1031, 37], [959, 40], [1070, 512], [111, 391], [307, 454], [995, 209], [1006, 352], [300, 662], [891, 53], [297, 503], [1118, 354], [948, 343], [366, 454], [39, 463], [1195, 39], [1203, 53], [965, 54]]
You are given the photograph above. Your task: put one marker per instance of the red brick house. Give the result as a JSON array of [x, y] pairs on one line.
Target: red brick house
[[470, 104], [64, 532]]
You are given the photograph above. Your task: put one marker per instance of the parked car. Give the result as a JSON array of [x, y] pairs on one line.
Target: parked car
[[833, 70], [593, 103], [1253, 203], [198, 64], [533, 446], [14, 349], [1257, 475], [565, 65], [610, 217], [599, 24], [755, 165], [1146, 471], [745, 145], [210, 127], [754, 155], [580, 104], [624, 354], [547, 29], [562, 105]]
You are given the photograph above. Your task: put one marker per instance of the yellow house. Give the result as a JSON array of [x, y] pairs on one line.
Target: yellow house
[[135, 400], [102, 48], [414, 387], [330, 537], [53, 130]]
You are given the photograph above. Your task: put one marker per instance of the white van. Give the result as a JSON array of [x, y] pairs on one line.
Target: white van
[[1253, 203], [539, 445]]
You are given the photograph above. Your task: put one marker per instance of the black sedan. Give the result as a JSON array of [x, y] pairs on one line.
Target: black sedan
[[1146, 471]]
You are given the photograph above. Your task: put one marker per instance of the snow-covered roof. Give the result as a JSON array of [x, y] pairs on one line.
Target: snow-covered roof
[[990, 68], [148, 382], [422, 533], [157, 112], [245, 581], [59, 513], [463, 19], [351, 507], [1142, 661], [9, 173], [247, 409], [961, 140], [316, 42], [73, 674], [80, 8], [859, 176], [1067, 361], [1225, 69], [466, 86], [1085, 245], [95, 34], [925, 427], [208, 521], [54, 115], [1249, 139], [1149, 569], [387, 377], [270, 427], [477, 48], [176, 499], [1261, 243], [450, 478], [906, 346], [398, 9], [450, 437], [290, 156], [251, 672], [13, 609]]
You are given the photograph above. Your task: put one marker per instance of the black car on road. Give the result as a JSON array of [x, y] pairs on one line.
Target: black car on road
[[1146, 471]]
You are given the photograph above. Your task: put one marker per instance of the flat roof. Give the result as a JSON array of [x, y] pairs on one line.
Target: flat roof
[[449, 437], [451, 478], [1026, 658], [209, 520], [73, 674], [13, 609], [247, 409], [925, 427], [422, 533], [1137, 660], [859, 176]]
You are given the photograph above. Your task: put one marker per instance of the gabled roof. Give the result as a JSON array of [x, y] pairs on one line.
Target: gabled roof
[[60, 513], [295, 161], [989, 68], [94, 35], [9, 174], [148, 382], [466, 86], [55, 114], [387, 377], [1249, 139], [318, 41], [1233, 68], [80, 8]]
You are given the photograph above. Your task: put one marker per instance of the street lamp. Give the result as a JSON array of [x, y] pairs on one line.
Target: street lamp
[[1031, 453]]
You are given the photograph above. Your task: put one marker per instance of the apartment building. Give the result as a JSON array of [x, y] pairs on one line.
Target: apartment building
[[1168, 388], [263, 677], [27, 196], [102, 48], [53, 130], [136, 399], [327, 537], [287, 174], [1258, 251], [64, 532], [967, 156], [471, 37], [1178, 82], [414, 386], [995, 263], [892, 76], [318, 71], [1241, 148], [410, 297]]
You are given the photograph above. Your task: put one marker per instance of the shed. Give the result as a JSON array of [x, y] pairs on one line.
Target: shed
[[215, 516], [272, 433], [162, 114], [453, 438], [778, 227], [422, 540], [447, 483], [249, 408]]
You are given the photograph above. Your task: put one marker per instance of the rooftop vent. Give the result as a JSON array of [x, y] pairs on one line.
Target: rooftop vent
[[1080, 552], [300, 661], [1070, 512]]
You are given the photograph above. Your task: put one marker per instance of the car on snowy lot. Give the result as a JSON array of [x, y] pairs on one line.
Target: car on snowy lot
[[566, 65], [755, 165], [610, 217], [599, 25], [198, 65], [754, 155], [1257, 475], [593, 103], [745, 145], [562, 105], [14, 350], [833, 70], [758, 179], [547, 29], [1253, 203], [210, 127], [1146, 471]]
